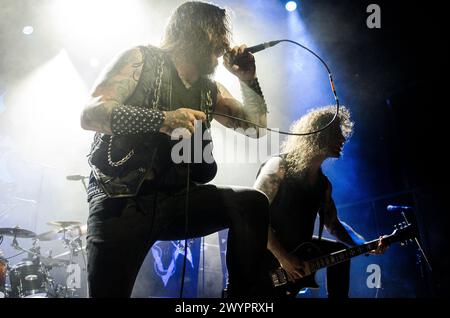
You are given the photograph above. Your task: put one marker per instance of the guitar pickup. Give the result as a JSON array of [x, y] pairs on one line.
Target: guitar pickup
[[278, 277]]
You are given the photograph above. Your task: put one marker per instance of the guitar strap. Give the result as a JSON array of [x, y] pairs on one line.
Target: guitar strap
[[323, 182], [321, 217]]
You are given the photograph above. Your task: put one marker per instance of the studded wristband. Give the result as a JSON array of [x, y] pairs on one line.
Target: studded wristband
[[131, 120]]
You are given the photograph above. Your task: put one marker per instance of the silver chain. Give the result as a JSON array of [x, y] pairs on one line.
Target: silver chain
[[157, 88], [207, 105], [121, 161], [156, 98]]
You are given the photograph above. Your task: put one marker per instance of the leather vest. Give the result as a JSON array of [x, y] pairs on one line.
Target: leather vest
[[150, 152]]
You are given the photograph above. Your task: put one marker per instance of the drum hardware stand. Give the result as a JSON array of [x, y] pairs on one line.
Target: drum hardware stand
[[67, 244], [75, 246], [33, 252], [78, 239]]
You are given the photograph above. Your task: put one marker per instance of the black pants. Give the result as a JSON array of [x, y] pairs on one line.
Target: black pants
[[121, 231], [338, 276]]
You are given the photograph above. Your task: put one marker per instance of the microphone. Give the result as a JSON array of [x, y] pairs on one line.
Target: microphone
[[254, 49], [76, 177], [395, 208], [260, 47]]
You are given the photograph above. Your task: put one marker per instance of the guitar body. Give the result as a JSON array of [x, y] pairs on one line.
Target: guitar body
[[281, 287]]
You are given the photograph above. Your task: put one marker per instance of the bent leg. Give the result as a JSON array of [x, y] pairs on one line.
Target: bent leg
[[211, 208]]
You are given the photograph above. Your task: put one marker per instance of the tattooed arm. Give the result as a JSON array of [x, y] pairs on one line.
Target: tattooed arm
[[106, 105], [112, 89], [254, 108], [268, 182], [270, 177], [254, 112]]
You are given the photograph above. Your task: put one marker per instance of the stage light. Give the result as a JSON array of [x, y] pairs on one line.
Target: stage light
[[94, 62], [41, 123], [291, 6], [85, 23], [27, 30]]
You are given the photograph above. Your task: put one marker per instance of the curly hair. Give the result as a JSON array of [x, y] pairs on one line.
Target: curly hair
[[300, 150], [197, 29]]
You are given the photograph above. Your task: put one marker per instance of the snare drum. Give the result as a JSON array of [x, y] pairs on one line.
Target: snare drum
[[27, 278]]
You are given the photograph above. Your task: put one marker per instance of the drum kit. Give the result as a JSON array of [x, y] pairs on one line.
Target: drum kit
[[31, 277]]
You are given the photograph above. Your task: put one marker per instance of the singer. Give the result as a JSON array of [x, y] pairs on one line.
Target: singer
[[137, 194]]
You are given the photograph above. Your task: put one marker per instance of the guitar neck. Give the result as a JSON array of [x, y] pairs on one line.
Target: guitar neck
[[279, 276], [341, 256]]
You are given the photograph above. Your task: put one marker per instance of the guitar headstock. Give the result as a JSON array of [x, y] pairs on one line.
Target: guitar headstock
[[403, 232]]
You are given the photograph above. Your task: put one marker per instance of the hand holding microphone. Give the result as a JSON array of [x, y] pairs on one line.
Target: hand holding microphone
[[240, 62]]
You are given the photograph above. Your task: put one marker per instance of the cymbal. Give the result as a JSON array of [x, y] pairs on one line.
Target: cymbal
[[77, 230], [48, 261], [64, 224], [17, 232], [58, 234], [48, 236], [68, 253]]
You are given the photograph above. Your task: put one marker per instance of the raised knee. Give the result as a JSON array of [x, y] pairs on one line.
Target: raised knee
[[259, 203], [254, 202], [261, 198]]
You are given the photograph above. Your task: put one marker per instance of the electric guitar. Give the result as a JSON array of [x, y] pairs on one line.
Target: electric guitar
[[310, 253]]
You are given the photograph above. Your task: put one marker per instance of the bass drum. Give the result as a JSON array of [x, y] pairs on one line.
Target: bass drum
[[27, 279]]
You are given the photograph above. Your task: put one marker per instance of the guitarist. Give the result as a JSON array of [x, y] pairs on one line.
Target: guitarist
[[298, 190], [137, 192]]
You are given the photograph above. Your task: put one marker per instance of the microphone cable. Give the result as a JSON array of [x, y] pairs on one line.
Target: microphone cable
[[208, 113], [333, 89], [186, 222]]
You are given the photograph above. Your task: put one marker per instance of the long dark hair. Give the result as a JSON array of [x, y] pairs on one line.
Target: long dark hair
[[197, 29]]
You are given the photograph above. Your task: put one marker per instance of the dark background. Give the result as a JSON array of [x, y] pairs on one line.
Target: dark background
[[396, 75]]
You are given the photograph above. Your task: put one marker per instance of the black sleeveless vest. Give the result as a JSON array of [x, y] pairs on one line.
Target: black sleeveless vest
[[295, 207], [151, 151]]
